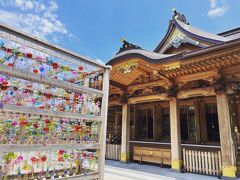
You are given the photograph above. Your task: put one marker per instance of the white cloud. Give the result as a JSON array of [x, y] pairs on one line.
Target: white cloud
[[215, 10], [213, 3], [33, 17], [219, 11]]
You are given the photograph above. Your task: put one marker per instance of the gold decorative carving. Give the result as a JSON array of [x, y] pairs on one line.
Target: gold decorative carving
[[127, 67], [172, 66]]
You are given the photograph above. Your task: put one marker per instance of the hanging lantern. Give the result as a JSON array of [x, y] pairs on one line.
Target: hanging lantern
[[80, 68], [29, 55], [55, 65]]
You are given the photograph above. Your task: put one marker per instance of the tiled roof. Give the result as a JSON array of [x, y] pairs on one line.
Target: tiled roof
[[201, 33], [149, 54]]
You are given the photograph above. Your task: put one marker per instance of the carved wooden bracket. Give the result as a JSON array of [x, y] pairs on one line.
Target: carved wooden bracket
[[172, 90], [219, 84]]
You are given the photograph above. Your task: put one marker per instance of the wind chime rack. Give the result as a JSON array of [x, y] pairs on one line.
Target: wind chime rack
[[19, 118]]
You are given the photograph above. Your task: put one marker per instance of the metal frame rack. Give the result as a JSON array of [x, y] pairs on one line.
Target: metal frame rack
[[15, 36]]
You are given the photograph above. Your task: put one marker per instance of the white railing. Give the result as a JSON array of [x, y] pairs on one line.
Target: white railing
[[202, 161], [113, 151]]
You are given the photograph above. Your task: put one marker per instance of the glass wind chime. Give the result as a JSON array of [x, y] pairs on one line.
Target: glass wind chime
[[17, 128]]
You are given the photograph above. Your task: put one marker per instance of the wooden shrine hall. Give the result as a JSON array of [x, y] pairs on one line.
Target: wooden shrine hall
[[178, 106]]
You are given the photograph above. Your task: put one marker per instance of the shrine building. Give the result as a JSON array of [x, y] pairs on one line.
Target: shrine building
[[179, 105]]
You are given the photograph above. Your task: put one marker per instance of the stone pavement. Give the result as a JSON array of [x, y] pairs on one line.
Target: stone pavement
[[114, 170]]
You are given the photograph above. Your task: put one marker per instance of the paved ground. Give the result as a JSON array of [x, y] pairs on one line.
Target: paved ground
[[114, 170]]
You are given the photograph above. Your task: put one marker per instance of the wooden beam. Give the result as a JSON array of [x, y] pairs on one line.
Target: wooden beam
[[143, 85], [118, 85], [149, 98], [183, 94], [196, 76]]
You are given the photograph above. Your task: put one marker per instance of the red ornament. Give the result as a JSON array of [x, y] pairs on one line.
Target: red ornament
[[35, 71], [23, 123], [43, 158], [77, 128], [60, 159], [45, 129], [55, 65], [4, 87], [48, 96], [35, 125], [55, 77], [80, 68], [61, 152], [8, 50], [34, 160], [29, 55], [10, 64], [71, 81], [67, 99], [47, 121], [76, 96], [4, 83]]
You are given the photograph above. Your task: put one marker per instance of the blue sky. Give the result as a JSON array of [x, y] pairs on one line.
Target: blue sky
[[93, 28]]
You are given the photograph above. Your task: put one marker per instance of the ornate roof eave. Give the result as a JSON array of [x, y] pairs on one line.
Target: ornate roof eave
[[175, 22], [181, 56], [136, 55]]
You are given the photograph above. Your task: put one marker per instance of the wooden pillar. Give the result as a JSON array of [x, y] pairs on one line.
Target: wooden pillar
[[175, 134], [125, 133], [227, 147], [103, 129]]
